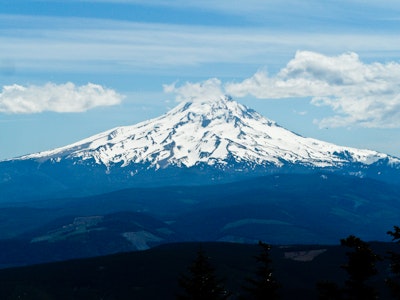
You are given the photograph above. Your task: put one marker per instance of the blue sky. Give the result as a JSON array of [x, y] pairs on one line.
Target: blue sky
[[324, 69]]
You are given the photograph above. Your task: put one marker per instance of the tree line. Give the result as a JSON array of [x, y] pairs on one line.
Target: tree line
[[201, 283]]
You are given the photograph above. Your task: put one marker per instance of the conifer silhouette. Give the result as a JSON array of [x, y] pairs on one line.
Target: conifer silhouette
[[264, 284], [360, 268], [201, 283], [394, 257]]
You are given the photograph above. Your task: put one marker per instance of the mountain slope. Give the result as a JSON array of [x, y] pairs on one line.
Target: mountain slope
[[198, 142], [85, 236], [208, 132]]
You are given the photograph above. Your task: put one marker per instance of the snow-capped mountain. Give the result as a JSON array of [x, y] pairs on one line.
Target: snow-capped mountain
[[209, 132], [198, 142]]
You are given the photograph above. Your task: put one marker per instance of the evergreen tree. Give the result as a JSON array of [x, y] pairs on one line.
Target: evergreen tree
[[263, 285], [394, 281], [201, 282], [360, 268]]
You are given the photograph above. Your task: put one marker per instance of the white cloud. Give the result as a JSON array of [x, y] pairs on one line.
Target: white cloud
[[210, 89], [367, 95], [63, 98]]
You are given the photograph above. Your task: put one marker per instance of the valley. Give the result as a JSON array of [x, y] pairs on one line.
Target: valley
[[282, 210]]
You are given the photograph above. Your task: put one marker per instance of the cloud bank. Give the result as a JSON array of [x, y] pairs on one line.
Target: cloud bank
[[62, 98], [364, 94], [361, 94]]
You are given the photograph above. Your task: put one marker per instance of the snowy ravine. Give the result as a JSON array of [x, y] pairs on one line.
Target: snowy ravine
[[211, 132]]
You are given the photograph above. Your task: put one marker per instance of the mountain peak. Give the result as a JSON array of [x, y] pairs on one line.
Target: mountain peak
[[224, 107], [222, 98]]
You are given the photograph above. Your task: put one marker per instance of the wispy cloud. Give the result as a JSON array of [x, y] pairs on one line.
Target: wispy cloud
[[63, 98], [291, 7], [227, 6], [361, 94], [91, 45]]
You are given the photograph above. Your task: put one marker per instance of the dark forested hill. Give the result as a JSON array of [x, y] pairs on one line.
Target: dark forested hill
[[154, 273]]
